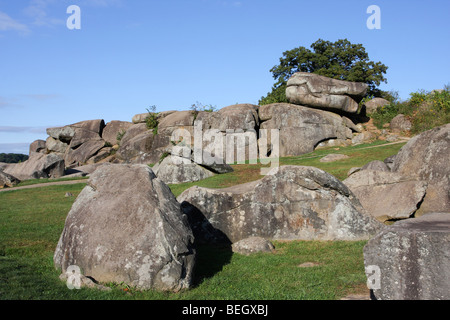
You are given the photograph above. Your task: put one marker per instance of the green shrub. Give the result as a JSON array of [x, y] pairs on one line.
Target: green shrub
[[385, 114], [430, 109], [152, 120], [120, 135], [197, 107], [426, 110]]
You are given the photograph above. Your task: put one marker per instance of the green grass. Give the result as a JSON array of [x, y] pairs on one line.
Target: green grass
[[31, 222], [358, 157]]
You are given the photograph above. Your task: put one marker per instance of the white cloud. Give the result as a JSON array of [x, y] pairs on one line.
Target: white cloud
[[11, 129], [6, 103], [38, 11], [7, 23], [40, 97]]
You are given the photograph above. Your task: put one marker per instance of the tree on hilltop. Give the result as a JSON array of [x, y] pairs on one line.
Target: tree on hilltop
[[340, 60]]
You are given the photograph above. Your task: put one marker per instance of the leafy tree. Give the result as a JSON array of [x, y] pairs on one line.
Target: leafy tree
[[340, 60], [12, 157]]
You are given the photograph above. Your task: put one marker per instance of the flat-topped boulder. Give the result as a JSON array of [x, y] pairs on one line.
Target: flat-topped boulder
[[317, 91], [411, 259]]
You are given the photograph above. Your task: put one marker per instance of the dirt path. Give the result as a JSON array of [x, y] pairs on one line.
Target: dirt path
[[47, 184]]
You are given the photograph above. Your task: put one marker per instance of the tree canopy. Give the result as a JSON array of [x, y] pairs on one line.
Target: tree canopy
[[12, 157], [340, 60]]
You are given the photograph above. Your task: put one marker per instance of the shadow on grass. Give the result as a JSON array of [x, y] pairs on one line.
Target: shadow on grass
[[211, 258], [213, 247]]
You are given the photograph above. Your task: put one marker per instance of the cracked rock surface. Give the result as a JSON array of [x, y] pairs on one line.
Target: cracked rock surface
[[126, 226], [293, 202]]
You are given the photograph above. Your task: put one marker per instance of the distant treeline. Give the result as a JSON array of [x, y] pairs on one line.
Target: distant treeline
[[13, 157]]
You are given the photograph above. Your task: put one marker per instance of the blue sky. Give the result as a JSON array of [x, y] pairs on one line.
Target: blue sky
[[131, 54]]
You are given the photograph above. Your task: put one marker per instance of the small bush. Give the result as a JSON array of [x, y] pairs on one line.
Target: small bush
[[120, 135], [197, 107], [152, 120]]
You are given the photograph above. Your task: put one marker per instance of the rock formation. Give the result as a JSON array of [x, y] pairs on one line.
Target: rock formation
[[317, 91], [293, 202], [37, 166], [145, 243], [410, 260]]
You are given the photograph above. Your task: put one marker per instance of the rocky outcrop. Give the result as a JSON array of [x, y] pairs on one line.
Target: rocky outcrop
[[301, 129], [410, 259], [425, 157], [145, 243], [292, 202], [113, 129], [37, 166], [77, 142], [317, 91]]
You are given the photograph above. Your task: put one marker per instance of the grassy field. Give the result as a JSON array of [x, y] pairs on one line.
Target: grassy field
[[32, 220]]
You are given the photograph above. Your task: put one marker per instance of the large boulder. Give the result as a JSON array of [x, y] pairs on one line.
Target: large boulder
[[56, 146], [80, 155], [67, 133], [371, 106], [37, 146], [112, 129], [291, 202], [176, 120], [410, 260], [145, 243], [229, 133], [173, 170], [301, 129], [37, 166], [235, 117], [322, 92], [400, 123], [387, 195], [181, 165], [425, 157], [145, 147]]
